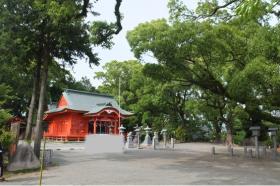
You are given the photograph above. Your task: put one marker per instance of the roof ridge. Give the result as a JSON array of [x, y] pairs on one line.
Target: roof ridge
[[87, 92]]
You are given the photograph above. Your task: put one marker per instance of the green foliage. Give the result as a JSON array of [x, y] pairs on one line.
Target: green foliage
[[6, 138], [181, 134], [4, 97], [239, 137], [230, 70]]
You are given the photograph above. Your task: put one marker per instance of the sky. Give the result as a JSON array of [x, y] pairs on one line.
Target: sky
[[134, 12]]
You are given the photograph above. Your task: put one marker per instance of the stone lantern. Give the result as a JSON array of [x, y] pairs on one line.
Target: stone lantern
[[256, 133], [129, 142], [122, 129], [147, 140]]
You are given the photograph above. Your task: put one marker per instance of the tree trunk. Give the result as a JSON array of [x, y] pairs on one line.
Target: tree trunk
[[229, 139], [40, 113], [217, 128], [32, 105]]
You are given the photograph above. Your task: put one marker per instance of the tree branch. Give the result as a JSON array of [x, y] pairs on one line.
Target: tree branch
[[221, 7], [84, 11]]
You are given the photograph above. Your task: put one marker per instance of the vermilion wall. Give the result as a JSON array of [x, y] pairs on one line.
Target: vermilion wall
[[59, 125], [79, 125]]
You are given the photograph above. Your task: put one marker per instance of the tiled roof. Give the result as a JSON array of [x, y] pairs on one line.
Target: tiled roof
[[88, 102]]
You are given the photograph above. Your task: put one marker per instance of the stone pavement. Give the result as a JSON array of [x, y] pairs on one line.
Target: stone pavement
[[189, 163]]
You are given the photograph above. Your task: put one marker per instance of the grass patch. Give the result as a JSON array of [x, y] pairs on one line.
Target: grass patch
[[8, 174]]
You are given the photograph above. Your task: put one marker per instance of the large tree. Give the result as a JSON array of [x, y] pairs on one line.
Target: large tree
[[48, 31], [235, 61]]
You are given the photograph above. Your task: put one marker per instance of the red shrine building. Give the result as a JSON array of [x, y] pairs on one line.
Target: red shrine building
[[79, 113]]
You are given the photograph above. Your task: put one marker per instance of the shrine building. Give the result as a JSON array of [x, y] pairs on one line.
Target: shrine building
[[79, 113]]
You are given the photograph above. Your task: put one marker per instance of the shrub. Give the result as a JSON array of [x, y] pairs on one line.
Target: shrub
[[239, 137], [6, 138], [180, 134]]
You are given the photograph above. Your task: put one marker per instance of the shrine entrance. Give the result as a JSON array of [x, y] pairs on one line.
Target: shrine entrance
[[102, 127], [106, 121]]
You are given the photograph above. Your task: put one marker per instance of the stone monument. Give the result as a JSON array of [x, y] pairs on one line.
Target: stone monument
[[24, 158]]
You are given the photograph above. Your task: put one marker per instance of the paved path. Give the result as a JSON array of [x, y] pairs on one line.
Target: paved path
[[187, 164]]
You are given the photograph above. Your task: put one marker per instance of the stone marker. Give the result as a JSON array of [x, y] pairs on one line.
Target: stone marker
[[24, 158], [156, 138], [154, 143], [273, 132], [163, 132], [231, 152], [229, 148], [172, 143], [264, 151], [136, 139], [250, 154], [48, 157], [245, 151], [213, 151]]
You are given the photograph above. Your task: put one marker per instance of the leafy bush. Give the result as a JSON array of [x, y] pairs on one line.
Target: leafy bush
[[6, 138], [268, 142], [239, 137], [181, 134]]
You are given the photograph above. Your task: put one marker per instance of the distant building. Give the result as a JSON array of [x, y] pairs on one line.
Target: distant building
[[79, 113]]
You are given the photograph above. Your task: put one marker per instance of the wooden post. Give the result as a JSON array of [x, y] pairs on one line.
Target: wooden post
[[115, 128], [94, 126]]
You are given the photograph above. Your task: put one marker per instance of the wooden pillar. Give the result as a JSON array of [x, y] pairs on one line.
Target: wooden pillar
[[94, 126], [115, 127]]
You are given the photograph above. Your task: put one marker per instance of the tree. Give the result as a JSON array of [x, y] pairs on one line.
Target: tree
[[156, 102], [49, 30], [233, 61]]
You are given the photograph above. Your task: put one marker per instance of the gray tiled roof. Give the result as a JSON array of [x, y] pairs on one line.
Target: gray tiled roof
[[88, 102]]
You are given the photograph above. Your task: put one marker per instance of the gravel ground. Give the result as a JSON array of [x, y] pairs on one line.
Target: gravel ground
[[189, 163]]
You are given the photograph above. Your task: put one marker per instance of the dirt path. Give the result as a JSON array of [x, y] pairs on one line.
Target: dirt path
[[188, 164]]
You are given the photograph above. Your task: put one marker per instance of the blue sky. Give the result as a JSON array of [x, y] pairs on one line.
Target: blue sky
[[134, 12]]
